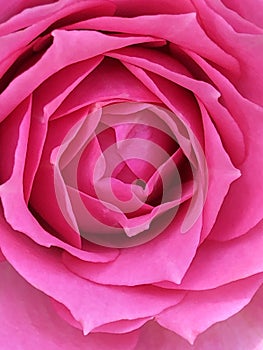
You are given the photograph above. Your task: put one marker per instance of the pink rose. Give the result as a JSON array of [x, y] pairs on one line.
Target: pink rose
[[130, 174]]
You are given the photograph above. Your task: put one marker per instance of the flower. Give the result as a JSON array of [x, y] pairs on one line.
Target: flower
[[130, 174]]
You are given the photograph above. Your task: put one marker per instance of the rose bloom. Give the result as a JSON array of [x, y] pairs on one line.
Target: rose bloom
[[131, 174]]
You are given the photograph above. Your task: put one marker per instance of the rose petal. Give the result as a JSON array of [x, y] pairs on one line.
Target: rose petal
[[221, 174], [242, 201], [126, 270], [117, 84], [93, 308], [252, 13], [14, 7], [68, 47], [246, 48], [242, 331], [137, 8], [17, 35], [27, 313], [199, 310], [13, 199], [47, 14], [234, 257], [118, 327], [183, 30], [171, 69]]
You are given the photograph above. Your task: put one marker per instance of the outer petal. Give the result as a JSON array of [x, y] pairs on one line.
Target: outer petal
[[68, 47], [245, 47], [167, 257], [218, 263], [242, 331], [252, 11], [183, 30], [28, 321], [90, 304], [243, 200], [199, 310]]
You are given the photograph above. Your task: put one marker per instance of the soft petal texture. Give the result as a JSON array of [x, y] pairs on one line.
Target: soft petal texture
[[197, 311], [28, 321], [252, 13], [13, 198], [126, 269], [117, 84], [242, 331], [16, 6], [19, 42], [68, 47], [174, 71], [183, 30], [66, 287], [60, 60], [238, 258], [243, 200], [245, 48]]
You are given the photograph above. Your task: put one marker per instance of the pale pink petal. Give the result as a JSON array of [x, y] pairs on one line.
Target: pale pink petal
[[29, 321]]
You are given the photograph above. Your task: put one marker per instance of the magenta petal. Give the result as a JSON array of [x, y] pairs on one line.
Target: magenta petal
[[138, 7], [199, 310], [245, 47], [172, 70], [118, 327], [68, 47], [126, 269], [242, 331], [234, 257], [117, 84], [243, 200], [46, 272], [221, 174], [253, 11], [28, 313], [183, 30]]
